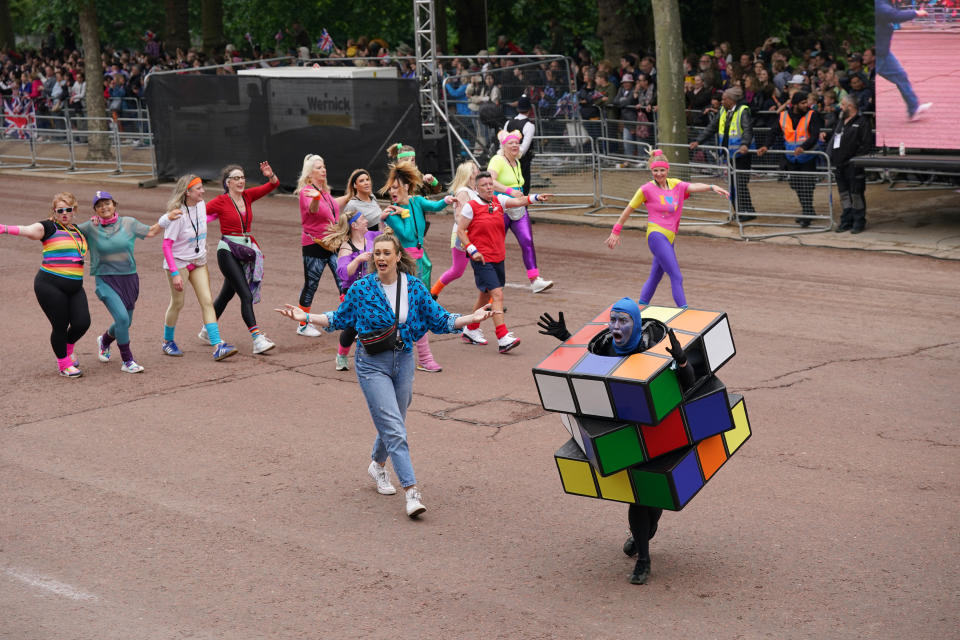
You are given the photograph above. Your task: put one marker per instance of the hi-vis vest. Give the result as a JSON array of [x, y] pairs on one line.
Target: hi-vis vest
[[736, 130], [793, 138]]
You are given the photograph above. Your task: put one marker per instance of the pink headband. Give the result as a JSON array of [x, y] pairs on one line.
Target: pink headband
[[505, 137], [657, 159]]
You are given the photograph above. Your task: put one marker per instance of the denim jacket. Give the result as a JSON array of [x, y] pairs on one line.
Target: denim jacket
[[366, 309]]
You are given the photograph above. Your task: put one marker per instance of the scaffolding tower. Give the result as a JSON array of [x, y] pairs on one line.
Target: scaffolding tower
[[425, 49]]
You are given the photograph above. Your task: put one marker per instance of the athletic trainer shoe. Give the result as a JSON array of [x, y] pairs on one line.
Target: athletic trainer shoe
[[508, 342], [103, 353], [342, 363], [473, 336], [204, 338], [641, 571], [540, 285], [71, 372], [379, 475], [171, 349], [308, 331], [223, 351], [414, 506], [262, 344], [131, 367]]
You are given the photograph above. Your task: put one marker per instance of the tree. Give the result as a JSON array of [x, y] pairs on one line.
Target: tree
[[471, 27], [177, 32], [622, 26], [740, 22], [671, 114], [6, 26], [98, 147], [212, 26]]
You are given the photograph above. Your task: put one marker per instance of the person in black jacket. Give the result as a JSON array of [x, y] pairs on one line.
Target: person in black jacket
[[628, 333], [850, 138]]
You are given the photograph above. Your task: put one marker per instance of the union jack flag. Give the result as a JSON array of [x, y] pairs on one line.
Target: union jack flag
[[325, 43], [18, 118]]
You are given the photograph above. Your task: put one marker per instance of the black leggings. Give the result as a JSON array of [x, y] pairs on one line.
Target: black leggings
[[234, 282], [65, 303], [643, 526]]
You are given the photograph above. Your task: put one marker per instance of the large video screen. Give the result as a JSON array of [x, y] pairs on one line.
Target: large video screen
[[918, 74]]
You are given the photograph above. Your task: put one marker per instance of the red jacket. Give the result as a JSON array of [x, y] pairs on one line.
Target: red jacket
[[231, 222]]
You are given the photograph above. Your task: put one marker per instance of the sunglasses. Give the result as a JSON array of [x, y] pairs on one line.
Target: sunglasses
[[236, 177], [64, 210]]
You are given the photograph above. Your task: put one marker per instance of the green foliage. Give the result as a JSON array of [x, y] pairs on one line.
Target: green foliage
[[526, 22]]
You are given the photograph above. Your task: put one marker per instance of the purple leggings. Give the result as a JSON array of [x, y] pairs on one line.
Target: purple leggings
[[664, 259], [524, 233]]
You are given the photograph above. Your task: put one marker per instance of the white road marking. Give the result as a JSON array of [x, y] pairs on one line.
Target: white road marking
[[49, 584]]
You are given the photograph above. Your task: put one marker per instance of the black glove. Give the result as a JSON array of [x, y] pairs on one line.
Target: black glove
[[555, 328], [675, 350]]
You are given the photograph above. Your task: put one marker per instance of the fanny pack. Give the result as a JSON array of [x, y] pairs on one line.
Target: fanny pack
[[376, 342]]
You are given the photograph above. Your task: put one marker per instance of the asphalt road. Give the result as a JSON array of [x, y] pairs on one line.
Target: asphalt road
[[230, 500]]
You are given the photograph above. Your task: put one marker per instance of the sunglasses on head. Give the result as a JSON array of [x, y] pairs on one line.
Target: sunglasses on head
[[236, 177], [64, 210]]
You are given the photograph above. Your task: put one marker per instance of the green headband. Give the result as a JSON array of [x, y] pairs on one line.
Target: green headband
[[407, 154]]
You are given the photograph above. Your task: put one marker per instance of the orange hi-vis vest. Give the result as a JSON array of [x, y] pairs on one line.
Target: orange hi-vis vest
[[794, 138]]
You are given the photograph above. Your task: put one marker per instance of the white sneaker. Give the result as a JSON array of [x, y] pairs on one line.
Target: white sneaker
[[103, 353], [920, 109], [379, 475], [507, 342], [131, 367], [474, 336], [309, 331], [262, 344], [414, 506], [539, 285], [204, 338]]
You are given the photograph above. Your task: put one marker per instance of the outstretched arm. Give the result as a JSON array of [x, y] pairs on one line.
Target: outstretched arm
[[556, 328], [33, 231], [697, 187], [614, 238]]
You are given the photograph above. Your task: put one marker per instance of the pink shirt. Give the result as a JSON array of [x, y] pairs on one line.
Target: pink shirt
[[664, 206], [315, 224]]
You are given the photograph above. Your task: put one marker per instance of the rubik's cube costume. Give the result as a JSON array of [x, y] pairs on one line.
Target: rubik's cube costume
[[643, 431]]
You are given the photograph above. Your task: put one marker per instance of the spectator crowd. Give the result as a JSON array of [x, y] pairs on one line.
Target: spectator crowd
[[481, 90]]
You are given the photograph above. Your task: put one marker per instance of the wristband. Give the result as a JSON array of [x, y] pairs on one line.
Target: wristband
[[318, 196], [471, 249], [174, 273], [617, 228], [435, 182], [13, 229]]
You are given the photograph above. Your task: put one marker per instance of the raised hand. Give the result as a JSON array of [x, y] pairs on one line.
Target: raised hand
[[675, 349], [556, 328]]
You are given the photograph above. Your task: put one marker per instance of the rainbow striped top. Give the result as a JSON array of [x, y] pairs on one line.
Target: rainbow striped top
[[64, 249]]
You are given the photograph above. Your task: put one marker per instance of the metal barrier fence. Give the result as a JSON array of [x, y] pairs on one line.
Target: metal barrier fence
[[62, 142], [576, 167], [616, 176], [810, 205]]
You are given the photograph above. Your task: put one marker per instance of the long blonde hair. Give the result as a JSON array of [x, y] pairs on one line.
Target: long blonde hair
[[406, 264], [463, 177], [308, 161], [179, 196], [64, 196], [339, 232]]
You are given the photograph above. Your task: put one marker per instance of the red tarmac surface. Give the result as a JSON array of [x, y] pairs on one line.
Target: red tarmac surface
[[230, 500]]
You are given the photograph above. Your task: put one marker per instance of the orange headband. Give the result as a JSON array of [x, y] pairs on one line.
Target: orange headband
[[194, 183]]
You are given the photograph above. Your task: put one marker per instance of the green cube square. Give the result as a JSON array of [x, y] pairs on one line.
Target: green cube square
[[665, 393], [619, 449], [653, 489]]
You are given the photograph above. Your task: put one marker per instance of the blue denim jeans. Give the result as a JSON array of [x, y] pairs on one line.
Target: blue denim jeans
[[387, 383]]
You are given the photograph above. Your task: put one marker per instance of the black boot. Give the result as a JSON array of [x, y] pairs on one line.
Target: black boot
[[846, 221], [859, 220], [630, 547], [641, 571]]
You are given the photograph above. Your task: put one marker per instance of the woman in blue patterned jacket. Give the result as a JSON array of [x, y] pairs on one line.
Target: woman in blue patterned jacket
[[386, 378]]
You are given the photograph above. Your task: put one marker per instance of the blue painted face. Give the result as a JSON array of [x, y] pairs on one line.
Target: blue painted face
[[621, 328], [625, 326]]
